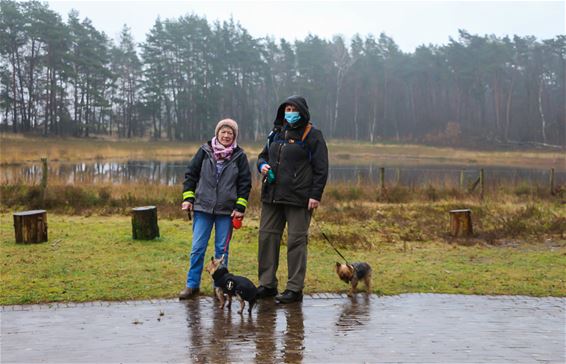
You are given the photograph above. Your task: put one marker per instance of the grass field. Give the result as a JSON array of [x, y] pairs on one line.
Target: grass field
[[516, 250]]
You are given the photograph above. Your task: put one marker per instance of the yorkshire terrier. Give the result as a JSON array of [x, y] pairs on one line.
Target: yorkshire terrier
[[353, 273], [230, 285]]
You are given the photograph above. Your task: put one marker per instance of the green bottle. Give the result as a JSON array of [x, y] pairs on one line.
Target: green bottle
[[270, 176]]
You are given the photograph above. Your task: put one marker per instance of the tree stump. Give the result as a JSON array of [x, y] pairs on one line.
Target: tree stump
[[30, 226], [461, 223], [144, 223]]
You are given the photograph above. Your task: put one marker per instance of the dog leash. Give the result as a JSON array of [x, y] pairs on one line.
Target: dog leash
[[328, 240], [228, 238]]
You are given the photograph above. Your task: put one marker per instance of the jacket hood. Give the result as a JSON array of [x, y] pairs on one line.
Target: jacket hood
[[301, 104]]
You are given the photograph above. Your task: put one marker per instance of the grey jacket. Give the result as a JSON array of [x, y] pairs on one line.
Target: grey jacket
[[217, 194]]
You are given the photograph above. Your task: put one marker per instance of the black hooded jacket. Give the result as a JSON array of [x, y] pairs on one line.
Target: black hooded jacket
[[300, 167]]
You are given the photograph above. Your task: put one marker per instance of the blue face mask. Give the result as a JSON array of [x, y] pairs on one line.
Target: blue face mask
[[292, 117]]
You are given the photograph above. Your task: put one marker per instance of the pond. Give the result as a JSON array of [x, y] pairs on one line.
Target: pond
[[172, 173]]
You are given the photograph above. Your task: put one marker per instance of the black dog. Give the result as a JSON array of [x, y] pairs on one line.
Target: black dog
[[231, 285]]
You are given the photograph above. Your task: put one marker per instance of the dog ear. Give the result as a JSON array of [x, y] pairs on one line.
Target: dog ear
[[338, 264], [212, 259]]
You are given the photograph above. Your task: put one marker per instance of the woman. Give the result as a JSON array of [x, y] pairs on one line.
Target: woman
[[217, 185], [294, 163]]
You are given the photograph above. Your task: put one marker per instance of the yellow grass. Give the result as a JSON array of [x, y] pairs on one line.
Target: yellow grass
[[411, 154], [15, 149]]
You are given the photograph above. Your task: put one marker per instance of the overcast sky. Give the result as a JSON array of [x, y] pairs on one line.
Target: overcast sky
[[409, 23]]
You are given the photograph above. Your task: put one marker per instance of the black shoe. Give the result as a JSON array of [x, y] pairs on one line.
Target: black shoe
[[289, 296], [265, 292]]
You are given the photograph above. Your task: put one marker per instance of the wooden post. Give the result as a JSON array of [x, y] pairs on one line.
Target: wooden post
[[382, 180], [461, 180], [461, 223], [552, 191], [30, 226], [44, 173], [481, 183], [43, 184], [144, 223], [397, 176]]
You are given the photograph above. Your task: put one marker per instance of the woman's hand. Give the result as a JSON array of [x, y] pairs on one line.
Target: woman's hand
[[186, 205], [237, 214], [265, 168], [313, 204]]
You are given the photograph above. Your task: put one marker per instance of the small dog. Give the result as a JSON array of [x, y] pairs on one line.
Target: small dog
[[353, 273], [231, 285]]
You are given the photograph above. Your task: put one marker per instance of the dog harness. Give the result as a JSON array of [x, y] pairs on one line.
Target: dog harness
[[234, 285], [361, 269]]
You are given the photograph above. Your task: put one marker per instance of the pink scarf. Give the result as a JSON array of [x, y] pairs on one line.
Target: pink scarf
[[222, 153]]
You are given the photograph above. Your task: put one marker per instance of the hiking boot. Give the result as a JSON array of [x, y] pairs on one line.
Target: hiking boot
[[265, 292], [188, 293], [289, 296]]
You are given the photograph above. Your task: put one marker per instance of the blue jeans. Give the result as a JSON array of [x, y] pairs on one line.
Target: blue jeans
[[202, 227]]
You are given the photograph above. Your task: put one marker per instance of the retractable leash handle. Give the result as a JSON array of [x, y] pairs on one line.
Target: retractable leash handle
[[236, 223]]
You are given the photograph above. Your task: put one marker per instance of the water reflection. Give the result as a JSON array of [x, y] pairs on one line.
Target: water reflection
[[271, 334], [266, 316], [172, 173], [293, 341], [354, 314], [197, 346]]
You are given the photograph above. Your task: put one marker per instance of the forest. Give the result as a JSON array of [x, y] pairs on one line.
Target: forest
[[69, 79]]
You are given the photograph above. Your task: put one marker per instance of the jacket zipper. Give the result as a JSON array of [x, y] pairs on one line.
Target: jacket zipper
[[278, 163], [220, 175]]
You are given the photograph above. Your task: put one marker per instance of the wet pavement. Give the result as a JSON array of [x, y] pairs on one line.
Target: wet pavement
[[411, 328]]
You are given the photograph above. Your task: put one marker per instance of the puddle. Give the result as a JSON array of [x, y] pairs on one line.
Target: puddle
[[325, 328]]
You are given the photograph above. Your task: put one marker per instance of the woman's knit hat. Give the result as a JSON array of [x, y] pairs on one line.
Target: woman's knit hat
[[227, 122]]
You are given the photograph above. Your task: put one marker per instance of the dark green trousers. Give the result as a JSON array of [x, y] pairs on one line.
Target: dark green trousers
[[273, 219]]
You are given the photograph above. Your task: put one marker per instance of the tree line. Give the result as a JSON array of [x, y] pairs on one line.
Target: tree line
[[68, 78]]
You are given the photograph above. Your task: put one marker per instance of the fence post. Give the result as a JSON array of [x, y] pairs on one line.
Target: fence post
[[552, 181], [461, 180], [382, 180], [43, 184], [481, 184]]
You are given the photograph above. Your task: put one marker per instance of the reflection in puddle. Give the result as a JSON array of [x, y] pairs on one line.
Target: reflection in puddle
[[354, 314], [408, 328], [271, 334]]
